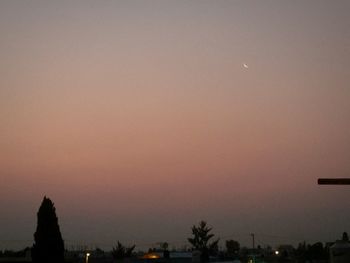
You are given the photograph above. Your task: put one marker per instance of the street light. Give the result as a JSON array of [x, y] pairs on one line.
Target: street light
[[87, 257]]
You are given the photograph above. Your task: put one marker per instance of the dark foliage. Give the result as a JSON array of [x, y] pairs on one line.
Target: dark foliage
[[48, 246], [14, 254], [308, 253], [164, 247], [200, 241], [120, 252], [232, 248]]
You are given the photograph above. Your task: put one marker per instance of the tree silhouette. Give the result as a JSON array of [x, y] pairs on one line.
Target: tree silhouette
[[200, 241], [48, 246], [232, 247], [164, 246], [120, 252]]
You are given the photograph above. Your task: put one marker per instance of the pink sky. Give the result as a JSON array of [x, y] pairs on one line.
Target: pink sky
[[138, 119]]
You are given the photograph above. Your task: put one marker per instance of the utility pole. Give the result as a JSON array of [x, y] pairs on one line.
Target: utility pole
[[253, 239]]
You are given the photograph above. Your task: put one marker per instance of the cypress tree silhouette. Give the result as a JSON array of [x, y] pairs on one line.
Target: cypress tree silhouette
[[48, 246]]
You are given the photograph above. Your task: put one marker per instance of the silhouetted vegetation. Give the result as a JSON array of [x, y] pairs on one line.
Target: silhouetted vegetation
[[48, 246], [164, 247], [232, 248], [14, 254], [120, 252], [308, 253], [200, 241]]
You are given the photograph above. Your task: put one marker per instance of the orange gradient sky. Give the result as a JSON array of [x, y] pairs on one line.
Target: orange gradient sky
[[138, 119]]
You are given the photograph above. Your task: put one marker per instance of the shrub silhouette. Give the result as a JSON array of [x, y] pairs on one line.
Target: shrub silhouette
[[120, 252]]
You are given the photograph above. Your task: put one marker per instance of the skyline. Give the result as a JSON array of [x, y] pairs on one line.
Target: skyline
[[131, 115]]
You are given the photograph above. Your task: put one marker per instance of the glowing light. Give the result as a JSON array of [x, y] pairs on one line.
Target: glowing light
[[277, 252], [151, 256]]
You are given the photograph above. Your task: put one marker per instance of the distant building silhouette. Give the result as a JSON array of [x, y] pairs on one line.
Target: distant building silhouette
[[340, 250]]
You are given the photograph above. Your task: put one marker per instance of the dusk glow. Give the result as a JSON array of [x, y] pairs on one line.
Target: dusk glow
[[141, 118]]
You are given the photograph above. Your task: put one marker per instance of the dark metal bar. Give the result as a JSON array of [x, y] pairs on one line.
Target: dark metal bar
[[334, 181]]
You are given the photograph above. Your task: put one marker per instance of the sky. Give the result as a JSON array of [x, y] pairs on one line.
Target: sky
[[139, 119]]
